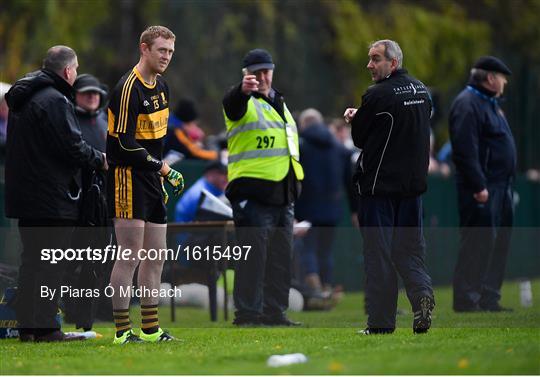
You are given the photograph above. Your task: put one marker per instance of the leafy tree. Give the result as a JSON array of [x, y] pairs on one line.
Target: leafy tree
[[438, 47], [319, 46], [29, 27]]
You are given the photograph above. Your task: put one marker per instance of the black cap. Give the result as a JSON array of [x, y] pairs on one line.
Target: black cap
[[215, 165], [258, 59], [492, 64], [88, 83], [185, 110]]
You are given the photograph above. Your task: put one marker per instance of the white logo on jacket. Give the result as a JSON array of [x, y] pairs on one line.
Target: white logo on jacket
[[413, 89]]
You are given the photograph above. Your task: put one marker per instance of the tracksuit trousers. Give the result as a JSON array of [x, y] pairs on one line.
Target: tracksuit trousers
[[393, 241]]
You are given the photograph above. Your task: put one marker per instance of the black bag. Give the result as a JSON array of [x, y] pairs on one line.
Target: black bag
[[94, 202], [94, 230]]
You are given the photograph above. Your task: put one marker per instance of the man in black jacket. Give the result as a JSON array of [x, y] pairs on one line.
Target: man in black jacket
[[484, 153], [44, 154], [392, 129]]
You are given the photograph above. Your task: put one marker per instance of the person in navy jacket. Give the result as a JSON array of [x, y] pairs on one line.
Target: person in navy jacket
[[484, 154]]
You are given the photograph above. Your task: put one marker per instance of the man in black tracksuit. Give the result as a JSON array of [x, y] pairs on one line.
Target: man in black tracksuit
[[484, 153], [45, 152], [392, 129]]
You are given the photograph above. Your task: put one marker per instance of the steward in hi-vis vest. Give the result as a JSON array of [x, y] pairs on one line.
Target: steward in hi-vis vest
[[262, 144], [264, 181]]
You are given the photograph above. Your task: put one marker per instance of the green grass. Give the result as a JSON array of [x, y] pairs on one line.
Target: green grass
[[479, 343]]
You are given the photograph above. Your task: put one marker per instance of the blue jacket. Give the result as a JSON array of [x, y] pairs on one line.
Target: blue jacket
[[328, 176], [483, 148], [186, 208]]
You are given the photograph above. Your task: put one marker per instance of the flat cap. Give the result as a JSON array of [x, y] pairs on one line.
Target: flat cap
[[492, 64], [258, 59]]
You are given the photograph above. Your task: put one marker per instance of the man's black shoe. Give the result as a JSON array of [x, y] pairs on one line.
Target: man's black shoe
[[375, 331], [496, 308], [422, 315], [239, 321], [279, 321], [58, 336]]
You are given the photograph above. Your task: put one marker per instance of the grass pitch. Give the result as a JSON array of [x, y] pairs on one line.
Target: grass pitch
[[473, 343]]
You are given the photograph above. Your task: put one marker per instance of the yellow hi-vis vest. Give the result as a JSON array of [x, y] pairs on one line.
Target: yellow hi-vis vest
[[261, 145]]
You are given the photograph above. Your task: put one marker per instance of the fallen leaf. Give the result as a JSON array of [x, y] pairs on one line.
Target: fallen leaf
[[335, 367], [463, 363]]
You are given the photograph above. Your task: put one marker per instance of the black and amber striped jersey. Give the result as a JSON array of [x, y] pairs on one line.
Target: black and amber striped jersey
[[138, 116]]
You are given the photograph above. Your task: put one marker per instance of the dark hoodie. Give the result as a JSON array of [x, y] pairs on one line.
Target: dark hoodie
[[327, 177], [44, 149]]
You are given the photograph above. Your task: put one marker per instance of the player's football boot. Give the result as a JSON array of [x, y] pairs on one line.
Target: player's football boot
[[158, 336], [127, 337]]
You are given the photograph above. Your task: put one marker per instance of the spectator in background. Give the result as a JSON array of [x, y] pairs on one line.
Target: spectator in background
[[436, 167], [342, 132], [484, 154], [214, 180], [44, 154], [328, 176], [90, 97], [184, 137], [4, 110], [444, 155]]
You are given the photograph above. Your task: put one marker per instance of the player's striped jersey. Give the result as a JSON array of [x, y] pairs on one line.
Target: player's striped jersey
[[138, 116]]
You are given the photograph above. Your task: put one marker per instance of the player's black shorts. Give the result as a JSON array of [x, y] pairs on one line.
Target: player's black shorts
[[133, 194]]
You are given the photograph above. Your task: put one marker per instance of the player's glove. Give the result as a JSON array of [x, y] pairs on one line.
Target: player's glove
[[176, 180], [165, 195]]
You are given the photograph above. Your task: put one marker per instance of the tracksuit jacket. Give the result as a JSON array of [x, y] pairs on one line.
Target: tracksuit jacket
[[392, 129]]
